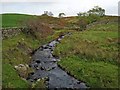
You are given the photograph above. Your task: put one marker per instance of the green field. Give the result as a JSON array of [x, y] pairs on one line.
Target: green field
[[90, 56], [14, 20]]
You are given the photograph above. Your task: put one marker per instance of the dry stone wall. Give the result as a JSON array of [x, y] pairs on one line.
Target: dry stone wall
[[10, 32]]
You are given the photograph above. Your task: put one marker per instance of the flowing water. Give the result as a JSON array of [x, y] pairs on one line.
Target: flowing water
[[45, 65]]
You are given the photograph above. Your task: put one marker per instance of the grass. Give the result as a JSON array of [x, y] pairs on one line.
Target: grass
[[94, 74], [90, 44], [14, 20], [11, 42], [105, 27], [91, 56], [11, 79], [16, 50]]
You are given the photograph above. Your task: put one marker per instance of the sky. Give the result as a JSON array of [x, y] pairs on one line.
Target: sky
[[69, 7]]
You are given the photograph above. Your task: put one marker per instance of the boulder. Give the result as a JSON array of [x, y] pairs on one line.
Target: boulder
[[22, 70]]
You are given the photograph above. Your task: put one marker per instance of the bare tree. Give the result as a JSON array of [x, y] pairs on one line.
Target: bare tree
[[61, 15]]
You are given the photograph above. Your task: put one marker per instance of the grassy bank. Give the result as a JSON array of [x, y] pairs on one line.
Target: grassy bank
[[92, 55], [16, 50], [96, 74], [11, 78]]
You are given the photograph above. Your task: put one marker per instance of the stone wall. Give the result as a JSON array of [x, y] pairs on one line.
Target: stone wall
[[10, 32]]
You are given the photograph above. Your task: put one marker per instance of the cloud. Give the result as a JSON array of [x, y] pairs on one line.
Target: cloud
[[27, 0], [69, 7]]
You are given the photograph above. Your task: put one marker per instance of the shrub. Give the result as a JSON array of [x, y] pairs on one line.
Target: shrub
[[36, 28], [82, 23]]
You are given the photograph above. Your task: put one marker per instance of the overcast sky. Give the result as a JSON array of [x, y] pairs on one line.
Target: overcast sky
[[69, 7]]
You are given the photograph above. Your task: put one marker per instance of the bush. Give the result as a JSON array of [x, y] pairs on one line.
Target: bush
[[93, 18], [85, 20], [82, 23], [36, 28]]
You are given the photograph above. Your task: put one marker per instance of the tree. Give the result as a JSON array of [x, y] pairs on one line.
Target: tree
[[61, 15], [50, 14], [96, 11], [46, 13], [82, 14], [79, 14]]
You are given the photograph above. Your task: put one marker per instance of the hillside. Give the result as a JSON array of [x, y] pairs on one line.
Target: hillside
[[90, 53]]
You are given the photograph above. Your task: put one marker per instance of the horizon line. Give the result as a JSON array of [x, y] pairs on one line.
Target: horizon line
[[53, 15]]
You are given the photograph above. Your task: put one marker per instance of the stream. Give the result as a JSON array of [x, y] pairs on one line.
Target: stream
[[45, 65]]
